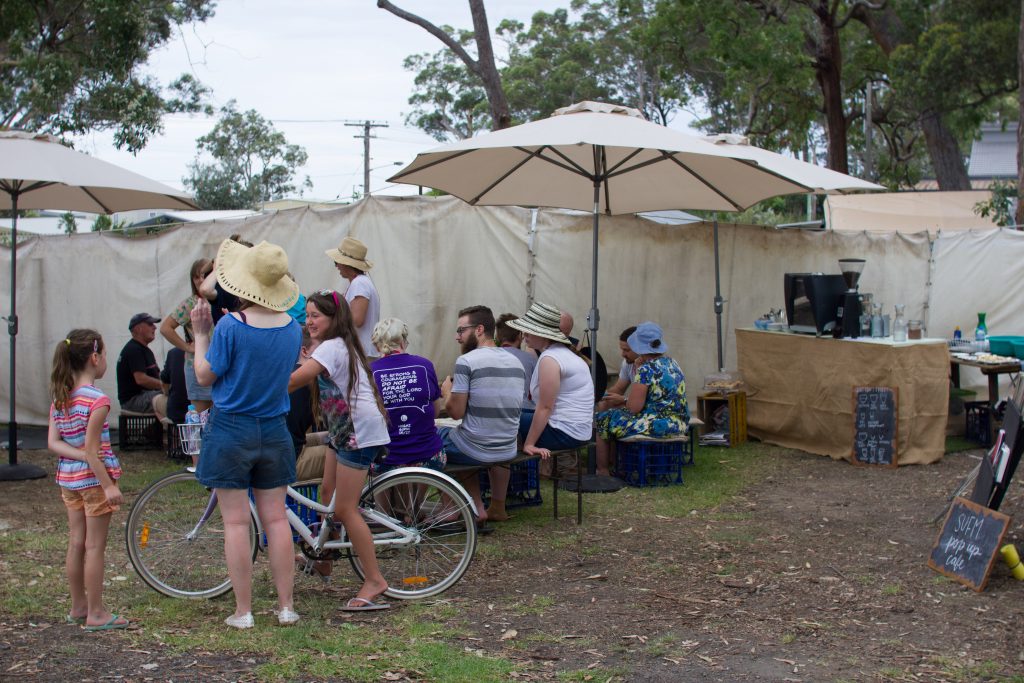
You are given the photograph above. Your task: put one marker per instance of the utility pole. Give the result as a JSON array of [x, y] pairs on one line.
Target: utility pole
[[366, 126]]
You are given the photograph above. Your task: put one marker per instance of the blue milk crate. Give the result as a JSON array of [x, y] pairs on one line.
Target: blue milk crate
[[523, 486], [307, 515], [652, 462]]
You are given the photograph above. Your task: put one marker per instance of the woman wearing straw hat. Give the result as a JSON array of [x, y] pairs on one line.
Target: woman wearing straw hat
[[246, 443], [363, 302], [656, 404], [561, 387]]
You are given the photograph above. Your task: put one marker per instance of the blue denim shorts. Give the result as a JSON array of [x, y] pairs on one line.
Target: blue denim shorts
[[241, 451], [195, 390], [452, 453], [551, 438], [361, 458]]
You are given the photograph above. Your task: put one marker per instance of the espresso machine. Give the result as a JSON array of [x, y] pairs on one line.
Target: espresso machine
[[848, 314]]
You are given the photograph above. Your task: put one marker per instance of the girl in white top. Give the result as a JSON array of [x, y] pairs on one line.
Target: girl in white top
[[357, 432], [561, 386]]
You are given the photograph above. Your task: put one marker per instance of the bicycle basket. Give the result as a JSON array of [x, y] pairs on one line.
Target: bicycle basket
[[191, 437]]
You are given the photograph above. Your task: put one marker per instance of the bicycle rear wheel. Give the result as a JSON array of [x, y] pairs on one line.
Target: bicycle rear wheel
[[446, 526], [172, 547]]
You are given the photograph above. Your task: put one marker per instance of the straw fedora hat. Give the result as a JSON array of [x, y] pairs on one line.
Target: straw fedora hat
[[258, 274], [351, 252], [542, 321]]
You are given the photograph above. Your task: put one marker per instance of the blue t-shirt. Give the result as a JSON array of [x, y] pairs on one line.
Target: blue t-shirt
[[253, 365]]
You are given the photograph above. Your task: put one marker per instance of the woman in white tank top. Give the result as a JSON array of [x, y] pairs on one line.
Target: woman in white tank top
[[561, 387]]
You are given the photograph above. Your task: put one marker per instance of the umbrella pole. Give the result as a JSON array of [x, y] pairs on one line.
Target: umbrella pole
[[718, 299], [13, 471]]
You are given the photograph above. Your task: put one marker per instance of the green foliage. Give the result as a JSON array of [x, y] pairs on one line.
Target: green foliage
[[72, 66], [252, 163], [449, 101], [68, 223], [1001, 206], [104, 223]]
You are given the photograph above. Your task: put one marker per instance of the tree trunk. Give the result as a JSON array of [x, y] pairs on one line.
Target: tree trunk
[[1019, 218], [828, 69], [943, 149], [487, 69], [484, 66]]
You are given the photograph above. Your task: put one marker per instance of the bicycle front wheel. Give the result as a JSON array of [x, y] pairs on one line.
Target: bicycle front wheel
[[175, 538], [443, 520]]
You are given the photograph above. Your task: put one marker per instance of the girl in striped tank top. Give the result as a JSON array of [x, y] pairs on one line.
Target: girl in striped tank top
[[87, 471]]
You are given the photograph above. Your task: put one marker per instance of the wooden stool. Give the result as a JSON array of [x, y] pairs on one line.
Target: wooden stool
[[139, 431]]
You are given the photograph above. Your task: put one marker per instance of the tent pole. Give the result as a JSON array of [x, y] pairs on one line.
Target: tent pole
[[594, 316], [718, 298], [13, 471]]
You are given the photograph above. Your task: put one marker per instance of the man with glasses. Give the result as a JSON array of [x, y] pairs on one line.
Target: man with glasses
[[486, 393]]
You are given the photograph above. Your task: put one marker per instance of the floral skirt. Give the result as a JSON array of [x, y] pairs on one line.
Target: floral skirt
[[618, 423]]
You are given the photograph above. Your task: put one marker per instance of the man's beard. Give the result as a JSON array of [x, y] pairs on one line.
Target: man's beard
[[469, 344]]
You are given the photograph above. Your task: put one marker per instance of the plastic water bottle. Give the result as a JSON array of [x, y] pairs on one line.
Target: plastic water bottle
[[192, 433]]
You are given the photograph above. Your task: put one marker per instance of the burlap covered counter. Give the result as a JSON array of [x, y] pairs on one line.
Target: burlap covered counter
[[800, 391]]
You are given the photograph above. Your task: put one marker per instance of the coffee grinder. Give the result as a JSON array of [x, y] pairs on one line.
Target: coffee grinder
[[849, 310]]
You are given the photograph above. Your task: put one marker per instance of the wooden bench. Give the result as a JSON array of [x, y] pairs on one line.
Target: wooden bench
[[556, 474]]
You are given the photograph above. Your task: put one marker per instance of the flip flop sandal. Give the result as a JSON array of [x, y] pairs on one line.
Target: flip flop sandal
[[79, 621], [111, 625], [364, 605]]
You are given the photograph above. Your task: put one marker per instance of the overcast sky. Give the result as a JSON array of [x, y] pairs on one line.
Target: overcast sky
[[309, 66]]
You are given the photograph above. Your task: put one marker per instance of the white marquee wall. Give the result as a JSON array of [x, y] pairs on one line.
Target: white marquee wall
[[434, 256]]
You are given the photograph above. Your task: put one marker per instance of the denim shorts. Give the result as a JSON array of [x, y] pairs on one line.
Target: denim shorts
[[456, 457], [360, 458], [551, 438], [241, 451], [193, 389]]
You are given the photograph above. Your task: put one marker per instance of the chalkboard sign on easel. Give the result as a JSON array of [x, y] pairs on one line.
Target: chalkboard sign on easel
[[968, 543], [875, 421]]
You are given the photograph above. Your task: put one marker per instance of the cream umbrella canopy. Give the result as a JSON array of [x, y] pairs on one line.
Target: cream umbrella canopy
[[37, 172], [608, 159]]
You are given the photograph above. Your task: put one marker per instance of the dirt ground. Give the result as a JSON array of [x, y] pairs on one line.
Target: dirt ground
[[817, 573]]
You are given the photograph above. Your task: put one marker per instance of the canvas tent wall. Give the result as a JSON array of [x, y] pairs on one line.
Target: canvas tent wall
[[436, 255], [907, 212]]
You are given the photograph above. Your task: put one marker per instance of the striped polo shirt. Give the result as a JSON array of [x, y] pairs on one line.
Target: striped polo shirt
[[71, 424], [495, 381]]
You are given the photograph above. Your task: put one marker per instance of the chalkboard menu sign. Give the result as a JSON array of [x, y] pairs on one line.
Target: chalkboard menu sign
[[968, 543], [875, 413]]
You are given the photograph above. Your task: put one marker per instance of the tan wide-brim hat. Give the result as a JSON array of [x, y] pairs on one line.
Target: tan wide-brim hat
[[258, 274], [541, 320], [351, 252]]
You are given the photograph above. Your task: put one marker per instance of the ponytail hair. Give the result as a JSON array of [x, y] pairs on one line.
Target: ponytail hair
[[334, 306], [70, 358]]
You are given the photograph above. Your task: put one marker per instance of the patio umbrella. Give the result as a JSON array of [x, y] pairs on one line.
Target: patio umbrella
[[609, 159], [37, 172]]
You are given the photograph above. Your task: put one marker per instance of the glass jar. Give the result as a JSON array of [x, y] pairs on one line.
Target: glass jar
[[899, 325], [915, 329]]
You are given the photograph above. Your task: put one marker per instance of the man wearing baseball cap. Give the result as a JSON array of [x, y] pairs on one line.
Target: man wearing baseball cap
[[138, 375]]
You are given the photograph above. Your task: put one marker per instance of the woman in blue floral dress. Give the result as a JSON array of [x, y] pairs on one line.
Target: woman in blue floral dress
[[656, 404]]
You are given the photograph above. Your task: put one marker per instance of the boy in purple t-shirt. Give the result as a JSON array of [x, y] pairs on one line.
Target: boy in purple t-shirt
[[408, 385]]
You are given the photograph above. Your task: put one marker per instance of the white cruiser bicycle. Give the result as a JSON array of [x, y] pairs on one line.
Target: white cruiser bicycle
[[422, 522]]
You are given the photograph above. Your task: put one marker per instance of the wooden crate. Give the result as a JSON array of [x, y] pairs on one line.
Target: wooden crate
[[737, 404]]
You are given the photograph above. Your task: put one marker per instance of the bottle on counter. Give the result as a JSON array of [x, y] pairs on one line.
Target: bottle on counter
[[899, 324], [876, 320], [981, 331], [957, 334]]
